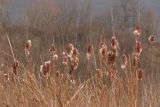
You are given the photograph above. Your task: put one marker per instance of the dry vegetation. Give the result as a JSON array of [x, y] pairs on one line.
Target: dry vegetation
[[62, 62]]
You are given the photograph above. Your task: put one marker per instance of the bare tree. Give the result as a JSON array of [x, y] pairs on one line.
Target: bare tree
[[4, 13], [40, 16]]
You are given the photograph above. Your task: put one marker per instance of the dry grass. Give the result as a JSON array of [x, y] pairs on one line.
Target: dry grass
[[106, 82]]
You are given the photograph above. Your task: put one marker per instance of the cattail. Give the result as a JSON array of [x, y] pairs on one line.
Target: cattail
[[89, 51], [139, 74], [151, 39], [138, 48], [115, 52], [75, 53], [45, 68], [69, 49], [65, 59], [114, 42], [74, 63], [111, 58], [74, 59], [52, 48], [6, 77], [28, 46], [134, 59], [124, 61], [55, 57], [103, 50], [15, 66], [137, 32]]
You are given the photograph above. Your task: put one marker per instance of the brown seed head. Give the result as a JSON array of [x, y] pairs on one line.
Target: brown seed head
[[55, 57], [103, 50], [69, 49], [134, 60], [114, 42], [137, 32], [74, 63], [65, 59], [115, 52], [152, 39], [139, 74], [52, 48], [124, 61], [111, 58], [89, 51], [28, 46], [45, 68], [15, 66], [138, 48], [75, 53]]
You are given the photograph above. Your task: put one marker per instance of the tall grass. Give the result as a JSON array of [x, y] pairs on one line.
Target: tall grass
[[110, 78]]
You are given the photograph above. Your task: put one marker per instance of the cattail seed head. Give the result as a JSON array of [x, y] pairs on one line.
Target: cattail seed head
[[75, 59], [138, 28], [55, 57], [138, 48], [134, 60], [103, 50], [65, 59], [52, 48], [89, 51], [137, 32], [115, 52], [28, 46], [114, 42], [15, 66], [69, 49], [151, 39], [74, 63], [139, 74], [111, 58], [75, 53], [45, 68], [124, 61]]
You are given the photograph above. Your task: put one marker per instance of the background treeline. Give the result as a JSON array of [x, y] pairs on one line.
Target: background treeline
[[68, 21]]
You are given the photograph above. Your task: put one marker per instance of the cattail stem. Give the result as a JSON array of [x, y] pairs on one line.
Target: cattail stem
[[139, 11], [11, 47], [112, 21], [90, 30]]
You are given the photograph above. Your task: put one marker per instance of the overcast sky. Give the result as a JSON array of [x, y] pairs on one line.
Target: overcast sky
[[97, 5], [100, 3]]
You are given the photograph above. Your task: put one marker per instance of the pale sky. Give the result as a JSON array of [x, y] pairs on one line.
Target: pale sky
[[97, 5]]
